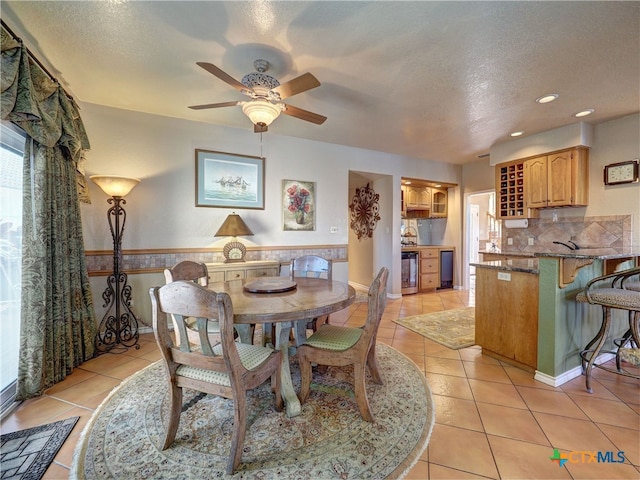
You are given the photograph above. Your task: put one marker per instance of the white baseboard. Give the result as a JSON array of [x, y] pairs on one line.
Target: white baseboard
[[569, 374]]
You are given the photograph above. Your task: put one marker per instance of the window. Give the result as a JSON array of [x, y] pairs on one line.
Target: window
[[11, 150]]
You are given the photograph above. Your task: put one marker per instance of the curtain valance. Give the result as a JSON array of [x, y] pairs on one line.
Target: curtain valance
[[39, 105]]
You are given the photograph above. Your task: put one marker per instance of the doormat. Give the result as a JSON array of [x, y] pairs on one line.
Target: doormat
[[26, 454], [452, 328]]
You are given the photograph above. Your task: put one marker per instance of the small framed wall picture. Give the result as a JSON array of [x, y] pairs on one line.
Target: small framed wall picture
[[622, 172], [298, 205]]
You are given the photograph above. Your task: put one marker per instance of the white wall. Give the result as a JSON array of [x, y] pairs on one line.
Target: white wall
[[161, 210]]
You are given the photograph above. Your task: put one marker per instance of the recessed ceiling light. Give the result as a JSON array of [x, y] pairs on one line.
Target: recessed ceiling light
[[517, 134], [585, 112], [547, 98]]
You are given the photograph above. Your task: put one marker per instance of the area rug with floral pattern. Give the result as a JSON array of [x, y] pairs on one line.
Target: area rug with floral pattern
[[329, 440], [452, 328]]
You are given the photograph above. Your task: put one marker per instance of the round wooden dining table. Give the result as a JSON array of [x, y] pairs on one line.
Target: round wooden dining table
[[308, 298]]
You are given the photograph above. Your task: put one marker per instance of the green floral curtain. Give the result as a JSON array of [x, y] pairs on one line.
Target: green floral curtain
[[57, 325]]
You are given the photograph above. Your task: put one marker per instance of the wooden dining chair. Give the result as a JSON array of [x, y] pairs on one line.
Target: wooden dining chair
[[339, 346], [195, 272], [305, 266], [227, 369], [315, 267]]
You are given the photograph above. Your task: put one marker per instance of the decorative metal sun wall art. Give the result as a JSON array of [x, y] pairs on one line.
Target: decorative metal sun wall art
[[364, 211]]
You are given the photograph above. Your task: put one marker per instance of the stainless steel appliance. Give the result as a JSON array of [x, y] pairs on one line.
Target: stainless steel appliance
[[446, 268], [409, 273]]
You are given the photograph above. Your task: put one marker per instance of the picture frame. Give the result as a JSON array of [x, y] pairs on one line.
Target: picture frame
[[298, 205], [229, 180]]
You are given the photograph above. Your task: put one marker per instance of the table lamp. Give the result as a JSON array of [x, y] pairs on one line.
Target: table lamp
[[233, 226]]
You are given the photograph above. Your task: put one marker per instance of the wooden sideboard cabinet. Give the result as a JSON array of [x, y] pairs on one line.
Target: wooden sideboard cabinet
[[558, 179], [222, 272]]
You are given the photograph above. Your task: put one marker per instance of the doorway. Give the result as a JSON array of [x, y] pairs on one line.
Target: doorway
[[482, 229]]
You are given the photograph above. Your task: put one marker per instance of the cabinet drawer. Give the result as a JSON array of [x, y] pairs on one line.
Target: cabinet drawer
[[262, 272], [429, 281], [216, 277], [429, 253], [234, 274], [428, 265]]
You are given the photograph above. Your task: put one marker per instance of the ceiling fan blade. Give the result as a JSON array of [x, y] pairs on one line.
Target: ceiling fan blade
[[214, 105], [225, 77], [260, 128], [304, 114], [297, 85]]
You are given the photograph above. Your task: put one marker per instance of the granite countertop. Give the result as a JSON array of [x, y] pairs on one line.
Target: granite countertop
[[526, 265], [506, 253], [530, 265], [593, 253], [413, 248]]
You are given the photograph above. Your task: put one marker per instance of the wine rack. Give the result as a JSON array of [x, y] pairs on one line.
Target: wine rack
[[511, 190]]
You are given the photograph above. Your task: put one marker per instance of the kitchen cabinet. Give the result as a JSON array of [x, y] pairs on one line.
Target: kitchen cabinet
[[559, 179], [429, 269], [507, 316], [223, 272], [418, 197], [511, 191], [439, 202]]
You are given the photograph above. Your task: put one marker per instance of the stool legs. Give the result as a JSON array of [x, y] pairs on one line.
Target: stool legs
[[589, 356], [598, 340]]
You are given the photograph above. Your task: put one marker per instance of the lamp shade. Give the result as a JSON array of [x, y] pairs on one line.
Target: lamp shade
[[115, 186], [233, 226], [261, 111]]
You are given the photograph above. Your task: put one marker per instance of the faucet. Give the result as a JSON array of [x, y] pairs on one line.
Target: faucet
[[568, 246], [574, 244]]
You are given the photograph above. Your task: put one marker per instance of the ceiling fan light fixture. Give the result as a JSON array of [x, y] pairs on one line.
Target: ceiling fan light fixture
[[261, 111]]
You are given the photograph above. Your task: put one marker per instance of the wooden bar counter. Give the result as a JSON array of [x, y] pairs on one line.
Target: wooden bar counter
[[507, 311]]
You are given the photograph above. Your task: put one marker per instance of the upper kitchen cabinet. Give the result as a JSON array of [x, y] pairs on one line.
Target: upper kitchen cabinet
[[511, 191], [439, 200], [424, 198], [558, 179], [418, 197]]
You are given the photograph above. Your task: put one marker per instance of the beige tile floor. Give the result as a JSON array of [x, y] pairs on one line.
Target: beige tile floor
[[492, 420]]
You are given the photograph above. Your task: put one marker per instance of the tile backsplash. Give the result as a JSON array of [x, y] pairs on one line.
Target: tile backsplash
[[613, 231]]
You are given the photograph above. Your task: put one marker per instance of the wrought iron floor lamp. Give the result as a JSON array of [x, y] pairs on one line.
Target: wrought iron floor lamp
[[119, 326]]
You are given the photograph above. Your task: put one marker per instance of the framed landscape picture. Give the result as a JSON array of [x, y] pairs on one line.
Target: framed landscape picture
[[229, 180], [298, 205]]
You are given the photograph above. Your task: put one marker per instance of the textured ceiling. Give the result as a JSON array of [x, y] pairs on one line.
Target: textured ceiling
[[440, 81]]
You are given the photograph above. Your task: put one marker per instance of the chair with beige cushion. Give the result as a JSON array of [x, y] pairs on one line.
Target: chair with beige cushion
[[311, 266], [315, 267], [228, 368], [335, 345], [195, 272], [610, 292]]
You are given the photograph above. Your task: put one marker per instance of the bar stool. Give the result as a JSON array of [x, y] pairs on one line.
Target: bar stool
[[615, 296], [632, 353]]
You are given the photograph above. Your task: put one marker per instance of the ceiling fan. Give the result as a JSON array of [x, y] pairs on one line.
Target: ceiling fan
[[266, 95]]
